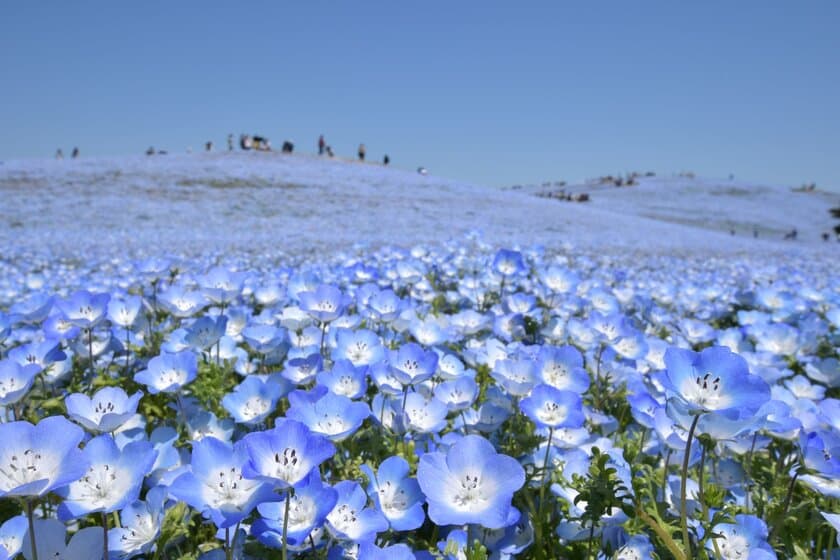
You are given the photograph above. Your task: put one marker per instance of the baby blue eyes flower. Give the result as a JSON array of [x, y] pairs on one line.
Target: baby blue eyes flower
[[84, 309], [37, 459], [471, 483], [50, 535], [107, 410], [508, 263], [308, 508], [140, 525], [562, 368], [253, 400], [412, 364], [746, 538], [325, 304], [112, 480], [350, 518], [12, 534], [396, 495], [168, 373], [548, 407], [334, 416], [123, 312], [15, 381], [714, 380], [285, 455], [205, 332], [216, 485]]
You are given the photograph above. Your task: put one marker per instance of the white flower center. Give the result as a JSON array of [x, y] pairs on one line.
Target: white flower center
[[468, 492], [551, 413], [23, 468], [392, 498], [254, 407]]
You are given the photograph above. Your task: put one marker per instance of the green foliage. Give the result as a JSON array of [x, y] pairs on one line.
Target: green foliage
[[211, 384]]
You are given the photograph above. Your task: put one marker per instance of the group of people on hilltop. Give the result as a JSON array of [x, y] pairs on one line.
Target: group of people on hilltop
[[59, 154]]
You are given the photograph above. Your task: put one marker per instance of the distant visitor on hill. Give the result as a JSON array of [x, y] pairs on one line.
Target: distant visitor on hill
[[330, 151], [59, 154], [230, 142], [362, 152], [288, 147], [322, 144], [208, 146], [386, 160], [75, 153]]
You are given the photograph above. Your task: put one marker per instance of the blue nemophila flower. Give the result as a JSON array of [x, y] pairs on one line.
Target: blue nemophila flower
[[517, 377], [396, 495], [140, 526], [205, 332], [308, 508], [286, 454], [385, 306], [50, 535], [345, 379], [637, 547], [302, 370], [508, 263], [84, 309], [548, 407], [714, 380], [351, 519], [471, 483], [221, 285], [112, 480], [325, 304], [123, 312], [216, 486], [37, 459], [334, 416], [253, 400], [562, 368], [369, 551], [12, 534], [181, 302], [265, 339], [821, 451], [41, 354], [424, 415], [107, 410], [746, 538], [457, 394], [411, 364], [15, 381], [167, 373], [361, 347]]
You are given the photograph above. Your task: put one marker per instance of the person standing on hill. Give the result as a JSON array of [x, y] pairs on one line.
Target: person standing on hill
[[75, 152], [386, 160], [322, 144], [362, 152]]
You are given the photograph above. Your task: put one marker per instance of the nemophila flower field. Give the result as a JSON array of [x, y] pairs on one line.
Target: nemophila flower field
[[459, 401]]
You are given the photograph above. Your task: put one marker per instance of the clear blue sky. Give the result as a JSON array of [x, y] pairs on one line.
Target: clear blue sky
[[490, 92]]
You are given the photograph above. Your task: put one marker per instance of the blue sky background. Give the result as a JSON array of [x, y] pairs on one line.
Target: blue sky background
[[489, 92]]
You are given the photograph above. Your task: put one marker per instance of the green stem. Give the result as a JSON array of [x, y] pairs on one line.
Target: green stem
[[105, 537], [30, 513], [683, 501], [286, 524], [780, 519], [228, 547], [661, 533]]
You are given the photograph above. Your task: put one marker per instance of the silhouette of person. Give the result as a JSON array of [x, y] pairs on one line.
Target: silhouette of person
[[386, 160], [362, 152], [75, 153], [322, 144]]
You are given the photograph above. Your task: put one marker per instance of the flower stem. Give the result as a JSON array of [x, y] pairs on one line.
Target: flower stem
[[683, 504], [105, 535], [31, 515], [286, 523], [228, 547]]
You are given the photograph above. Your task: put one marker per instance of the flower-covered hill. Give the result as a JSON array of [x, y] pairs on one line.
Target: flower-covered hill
[[300, 203]]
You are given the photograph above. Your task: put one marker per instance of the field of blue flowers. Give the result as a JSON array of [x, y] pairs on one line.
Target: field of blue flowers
[[453, 402]]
